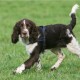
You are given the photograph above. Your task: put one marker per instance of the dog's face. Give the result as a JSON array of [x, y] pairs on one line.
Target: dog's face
[[25, 28]]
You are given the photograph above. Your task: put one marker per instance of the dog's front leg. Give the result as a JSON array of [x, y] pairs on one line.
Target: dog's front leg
[[30, 62], [38, 64]]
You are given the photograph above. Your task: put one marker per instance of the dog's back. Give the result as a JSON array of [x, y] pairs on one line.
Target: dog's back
[[57, 34]]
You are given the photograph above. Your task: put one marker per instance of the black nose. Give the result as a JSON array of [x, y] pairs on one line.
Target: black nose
[[24, 33]]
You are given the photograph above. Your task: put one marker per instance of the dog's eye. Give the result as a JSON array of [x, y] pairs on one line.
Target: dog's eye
[[28, 26], [21, 25]]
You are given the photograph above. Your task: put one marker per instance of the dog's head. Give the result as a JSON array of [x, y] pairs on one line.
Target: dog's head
[[26, 29]]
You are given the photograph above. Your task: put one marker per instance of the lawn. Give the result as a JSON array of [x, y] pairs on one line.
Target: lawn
[[42, 12]]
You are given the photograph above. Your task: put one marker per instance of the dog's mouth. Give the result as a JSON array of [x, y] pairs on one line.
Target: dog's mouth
[[26, 37]]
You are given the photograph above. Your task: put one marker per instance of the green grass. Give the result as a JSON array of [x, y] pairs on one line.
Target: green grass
[[42, 12]]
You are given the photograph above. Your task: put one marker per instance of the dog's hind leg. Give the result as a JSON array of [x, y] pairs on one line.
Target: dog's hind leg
[[73, 46], [60, 55]]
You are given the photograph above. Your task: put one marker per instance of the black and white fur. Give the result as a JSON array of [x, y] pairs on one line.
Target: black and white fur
[[57, 36]]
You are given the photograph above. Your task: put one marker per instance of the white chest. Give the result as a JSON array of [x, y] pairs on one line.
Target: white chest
[[31, 47]]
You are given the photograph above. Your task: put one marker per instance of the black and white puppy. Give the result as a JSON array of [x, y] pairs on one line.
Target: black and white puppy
[[52, 37]]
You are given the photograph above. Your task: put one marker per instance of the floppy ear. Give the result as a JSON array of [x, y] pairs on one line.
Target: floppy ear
[[15, 34], [33, 33]]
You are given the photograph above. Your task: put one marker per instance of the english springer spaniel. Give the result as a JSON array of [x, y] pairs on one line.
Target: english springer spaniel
[[52, 37]]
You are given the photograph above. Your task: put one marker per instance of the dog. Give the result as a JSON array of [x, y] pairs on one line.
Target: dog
[[39, 38]]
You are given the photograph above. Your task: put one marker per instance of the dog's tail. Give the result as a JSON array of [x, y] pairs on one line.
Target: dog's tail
[[73, 16]]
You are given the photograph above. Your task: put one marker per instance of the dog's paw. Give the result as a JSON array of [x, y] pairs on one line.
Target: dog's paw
[[54, 68], [14, 72], [19, 70]]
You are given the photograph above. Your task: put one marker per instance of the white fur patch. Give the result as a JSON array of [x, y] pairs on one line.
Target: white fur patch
[[73, 46], [20, 69], [31, 47], [24, 22], [25, 29], [74, 8], [68, 33]]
